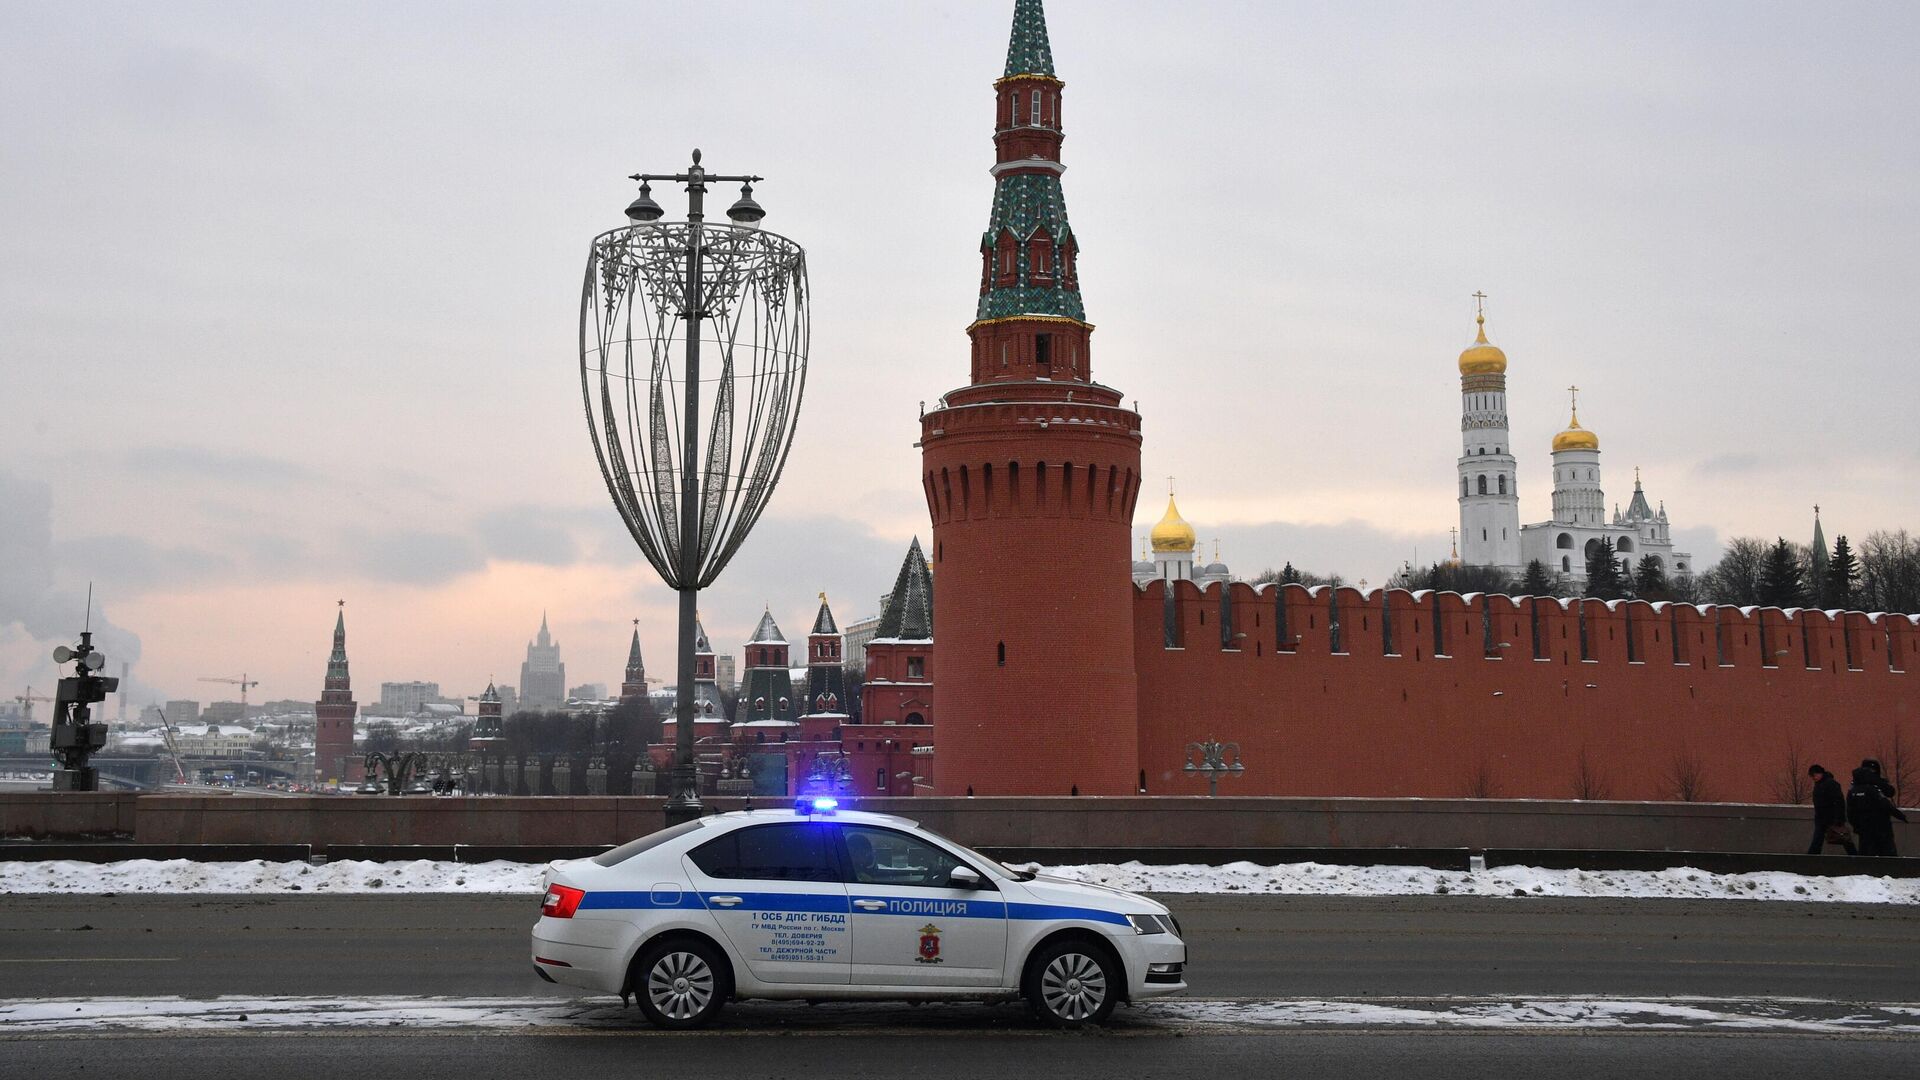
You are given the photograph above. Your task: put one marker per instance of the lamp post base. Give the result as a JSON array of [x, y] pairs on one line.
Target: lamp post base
[[684, 805]]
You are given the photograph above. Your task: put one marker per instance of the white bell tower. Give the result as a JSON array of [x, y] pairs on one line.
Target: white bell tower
[[1489, 489]]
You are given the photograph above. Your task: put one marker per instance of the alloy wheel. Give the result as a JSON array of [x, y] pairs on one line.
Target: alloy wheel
[[680, 984], [1073, 986]]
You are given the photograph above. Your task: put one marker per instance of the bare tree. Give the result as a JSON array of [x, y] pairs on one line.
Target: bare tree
[[1588, 781], [1479, 782], [1737, 578], [1687, 777], [1899, 765], [1791, 784], [1890, 572]]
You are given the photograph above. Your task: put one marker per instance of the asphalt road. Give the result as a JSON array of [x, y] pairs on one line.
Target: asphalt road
[[1247, 946], [1241, 947]]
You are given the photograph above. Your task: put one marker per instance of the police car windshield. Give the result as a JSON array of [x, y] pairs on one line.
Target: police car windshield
[[992, 866]]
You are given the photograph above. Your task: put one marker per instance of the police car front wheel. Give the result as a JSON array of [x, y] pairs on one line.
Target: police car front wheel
[[680, 984], [1072, 984]]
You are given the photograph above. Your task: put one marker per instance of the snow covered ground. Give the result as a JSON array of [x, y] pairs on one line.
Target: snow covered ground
[[183, 876], [231, 1014]]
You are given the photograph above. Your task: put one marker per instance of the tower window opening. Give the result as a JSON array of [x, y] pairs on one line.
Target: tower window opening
[[1483, 484], [916, 667], [1003, 354], [1036, 108], [1503, 485], [1043, 349], [1483, 534], [1003, 654]]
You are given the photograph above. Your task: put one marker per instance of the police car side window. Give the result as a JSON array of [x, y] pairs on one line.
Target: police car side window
[[793, 852], [885, 857]]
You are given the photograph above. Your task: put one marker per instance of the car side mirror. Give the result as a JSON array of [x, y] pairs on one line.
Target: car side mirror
[[963, 878]]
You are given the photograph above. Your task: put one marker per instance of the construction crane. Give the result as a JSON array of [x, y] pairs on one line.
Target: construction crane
[[242, 682], [26, 701]]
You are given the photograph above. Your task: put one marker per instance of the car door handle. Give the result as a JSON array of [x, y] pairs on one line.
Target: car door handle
[[724, 901], [870, 905]]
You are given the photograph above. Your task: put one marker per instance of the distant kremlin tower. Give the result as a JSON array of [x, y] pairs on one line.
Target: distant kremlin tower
[[1490, 529], [1031, 472], [333, 714]]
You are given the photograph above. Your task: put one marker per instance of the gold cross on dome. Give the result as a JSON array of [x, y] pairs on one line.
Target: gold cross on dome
[[1479, 305]]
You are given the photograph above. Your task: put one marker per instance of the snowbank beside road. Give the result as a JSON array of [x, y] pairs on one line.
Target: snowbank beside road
[[183, 876], [1680, 883]]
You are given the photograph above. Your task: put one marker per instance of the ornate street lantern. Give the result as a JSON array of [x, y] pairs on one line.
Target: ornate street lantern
[[691, 447]]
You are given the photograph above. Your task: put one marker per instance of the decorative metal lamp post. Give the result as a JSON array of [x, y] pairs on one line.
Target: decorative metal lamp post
[[1214, 759], [657, 293]]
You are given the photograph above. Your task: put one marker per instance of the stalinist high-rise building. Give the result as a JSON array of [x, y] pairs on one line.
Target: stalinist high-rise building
[[543, 678]]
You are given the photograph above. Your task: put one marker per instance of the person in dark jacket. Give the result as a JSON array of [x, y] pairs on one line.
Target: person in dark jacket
[[1829, 813], [1872, 813], [1879, 778]]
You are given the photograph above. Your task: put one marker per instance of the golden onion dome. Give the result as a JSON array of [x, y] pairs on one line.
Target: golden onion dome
[[1575, 437], [1173, 533], [1480, 357]]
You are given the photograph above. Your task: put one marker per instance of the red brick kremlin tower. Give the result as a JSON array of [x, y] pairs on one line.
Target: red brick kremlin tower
[[633, 687], [1031, 471], [333, 713]]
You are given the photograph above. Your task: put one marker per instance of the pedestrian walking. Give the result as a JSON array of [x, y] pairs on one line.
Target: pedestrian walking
[[1872, 813], [1829, 813]]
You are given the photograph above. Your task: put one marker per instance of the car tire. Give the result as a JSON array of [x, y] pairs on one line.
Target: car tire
[[1073, 983], [681, 983]]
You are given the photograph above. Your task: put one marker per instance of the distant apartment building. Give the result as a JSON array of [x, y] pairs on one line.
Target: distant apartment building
[[181, 712], [857, 634], [725, 673], [407, 698], [593, 691], [509, 700], [224, 712]]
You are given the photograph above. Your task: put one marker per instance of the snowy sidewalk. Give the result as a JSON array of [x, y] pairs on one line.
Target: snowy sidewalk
[[184, 876]]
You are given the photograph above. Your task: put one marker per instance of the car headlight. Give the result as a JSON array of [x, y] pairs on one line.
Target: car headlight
[[1149, 924]]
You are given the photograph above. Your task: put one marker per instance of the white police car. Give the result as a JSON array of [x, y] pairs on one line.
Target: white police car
[[818, 904]]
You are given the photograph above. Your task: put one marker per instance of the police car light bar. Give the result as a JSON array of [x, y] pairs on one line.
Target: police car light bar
[[822, 804]]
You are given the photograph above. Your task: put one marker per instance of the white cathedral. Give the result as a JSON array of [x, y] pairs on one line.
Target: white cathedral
[[1490, 529]]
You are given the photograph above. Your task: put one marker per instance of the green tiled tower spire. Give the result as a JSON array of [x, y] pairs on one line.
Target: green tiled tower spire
[[1028, 246], [1027, 51], [337, 661]]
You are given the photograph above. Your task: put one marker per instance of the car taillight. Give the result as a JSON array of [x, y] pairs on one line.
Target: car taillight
[[561, 901]]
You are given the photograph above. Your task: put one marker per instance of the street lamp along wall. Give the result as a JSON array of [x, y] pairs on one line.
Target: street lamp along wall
[[1213, 760], [691, 455]]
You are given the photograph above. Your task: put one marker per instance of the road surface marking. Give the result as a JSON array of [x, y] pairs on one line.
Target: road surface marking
[[90, 960]]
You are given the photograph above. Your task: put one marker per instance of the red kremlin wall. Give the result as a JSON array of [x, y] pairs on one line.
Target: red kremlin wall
[[1439, 696]]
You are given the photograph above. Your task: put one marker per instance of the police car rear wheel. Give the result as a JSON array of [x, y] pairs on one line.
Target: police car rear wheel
[[679, 984], [1071, 984]]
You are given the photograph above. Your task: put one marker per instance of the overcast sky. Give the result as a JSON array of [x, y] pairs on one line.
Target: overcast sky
[[288, 293]]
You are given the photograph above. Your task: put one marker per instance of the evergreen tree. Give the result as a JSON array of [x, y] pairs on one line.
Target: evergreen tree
[[1781, 585], [1603, 573], [1651, 581], [1843, 575], [1536, 581], [1288, 575]]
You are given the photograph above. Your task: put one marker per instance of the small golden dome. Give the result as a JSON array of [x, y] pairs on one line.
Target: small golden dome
[[1575, 437], [1480, 357], [1173, 533]]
